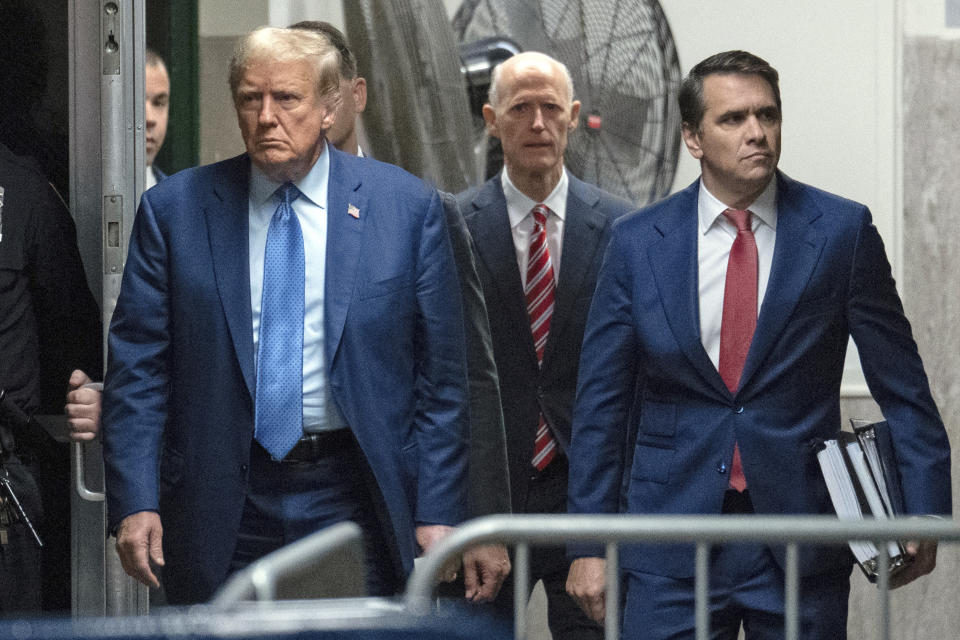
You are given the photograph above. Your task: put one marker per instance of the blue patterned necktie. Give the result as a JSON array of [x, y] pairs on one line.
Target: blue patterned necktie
[[279, 403]]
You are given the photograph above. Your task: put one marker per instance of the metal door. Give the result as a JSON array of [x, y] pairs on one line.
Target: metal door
[[106, 179]]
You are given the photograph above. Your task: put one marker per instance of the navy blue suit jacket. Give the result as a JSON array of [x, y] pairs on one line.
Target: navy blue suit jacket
[[525, 388], [829, 280], [180, 385]]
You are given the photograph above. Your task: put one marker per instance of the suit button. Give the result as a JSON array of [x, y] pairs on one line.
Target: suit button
[[739, 409], [243, 468], [721, 467]]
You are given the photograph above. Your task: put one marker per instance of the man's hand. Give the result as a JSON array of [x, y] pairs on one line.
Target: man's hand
[[139, 538], [429, 535], [82, 408], [485, 567], [586, 584], [924, 560]]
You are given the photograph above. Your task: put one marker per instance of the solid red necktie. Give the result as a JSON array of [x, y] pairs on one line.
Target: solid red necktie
[[539, 293], [739, 317]]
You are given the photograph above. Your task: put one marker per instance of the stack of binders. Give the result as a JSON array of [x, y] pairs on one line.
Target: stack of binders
[[861, 474]]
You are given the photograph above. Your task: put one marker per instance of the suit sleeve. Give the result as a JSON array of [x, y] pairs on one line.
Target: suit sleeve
[[608, 369], [489, 479], [137, 379], [442, 418], [895, 375]]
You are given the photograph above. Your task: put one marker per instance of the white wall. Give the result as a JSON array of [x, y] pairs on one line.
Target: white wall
[[929, 18], [229, 18]]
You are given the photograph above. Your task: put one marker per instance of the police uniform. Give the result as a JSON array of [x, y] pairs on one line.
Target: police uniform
[[49, 324]]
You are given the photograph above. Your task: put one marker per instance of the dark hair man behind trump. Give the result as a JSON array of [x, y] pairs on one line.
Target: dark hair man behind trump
[[484, 566], [287, 347], [156, 91], [716, 342]]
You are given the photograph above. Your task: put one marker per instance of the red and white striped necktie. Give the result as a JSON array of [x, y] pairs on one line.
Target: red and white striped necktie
[[539, 292]]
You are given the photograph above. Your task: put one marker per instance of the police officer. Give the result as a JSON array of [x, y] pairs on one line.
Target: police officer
[[49, 324]]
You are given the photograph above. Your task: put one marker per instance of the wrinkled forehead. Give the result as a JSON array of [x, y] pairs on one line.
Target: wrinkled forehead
[[534, 78], [267, 74]]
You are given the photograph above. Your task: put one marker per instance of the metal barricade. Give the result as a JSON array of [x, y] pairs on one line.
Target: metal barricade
[[703, 531], [325, 564]]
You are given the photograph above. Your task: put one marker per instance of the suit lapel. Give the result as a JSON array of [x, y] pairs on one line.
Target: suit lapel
[[347, 212], [494, 242], [226, 208], [674, 264], [797, 251], [583, 227]]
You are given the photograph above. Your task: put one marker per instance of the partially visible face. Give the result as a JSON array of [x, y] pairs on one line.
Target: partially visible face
[[157, 108], [282, 119], [353, 95], [738, 141], [533, 117]]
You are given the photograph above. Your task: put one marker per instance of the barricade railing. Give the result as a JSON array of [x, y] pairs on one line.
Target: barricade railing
[[325, 564], [524, 531]]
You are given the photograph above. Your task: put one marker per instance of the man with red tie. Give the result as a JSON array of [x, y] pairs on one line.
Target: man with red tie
[[714, 351], [523, 221]]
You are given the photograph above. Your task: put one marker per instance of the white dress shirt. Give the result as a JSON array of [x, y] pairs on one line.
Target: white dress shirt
[[715, 239], [319, 410], [151, 178], [519, 207]]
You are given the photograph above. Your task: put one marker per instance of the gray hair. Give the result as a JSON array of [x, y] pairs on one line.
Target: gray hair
[[348, 62], [288, 45]]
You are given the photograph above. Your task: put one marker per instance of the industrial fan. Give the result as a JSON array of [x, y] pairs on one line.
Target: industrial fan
[[423, 89], [626, 75]]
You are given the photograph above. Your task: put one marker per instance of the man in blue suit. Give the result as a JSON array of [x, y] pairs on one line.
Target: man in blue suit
[[201, 347], [714, 350], [538, 276]]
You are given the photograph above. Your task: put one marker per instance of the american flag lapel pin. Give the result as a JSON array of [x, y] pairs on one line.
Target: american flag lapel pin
[[353, 211]]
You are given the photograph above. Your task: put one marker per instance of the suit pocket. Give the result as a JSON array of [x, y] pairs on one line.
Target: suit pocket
[[383, 287], [651, 464], [659, 419]]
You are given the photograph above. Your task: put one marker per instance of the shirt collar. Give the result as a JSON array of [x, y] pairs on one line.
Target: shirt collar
[[519, 204], [312, 186], [764, 208]]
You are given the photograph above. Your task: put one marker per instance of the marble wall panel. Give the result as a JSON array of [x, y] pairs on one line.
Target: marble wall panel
[[929, 609]]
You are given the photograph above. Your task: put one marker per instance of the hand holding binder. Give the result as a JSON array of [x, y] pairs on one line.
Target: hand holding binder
[[863, 480], [924, 559]]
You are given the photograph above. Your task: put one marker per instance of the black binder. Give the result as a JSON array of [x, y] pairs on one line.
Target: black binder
[[863, 479]]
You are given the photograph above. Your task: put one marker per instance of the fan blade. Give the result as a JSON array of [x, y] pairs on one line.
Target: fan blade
[[626, 73]]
